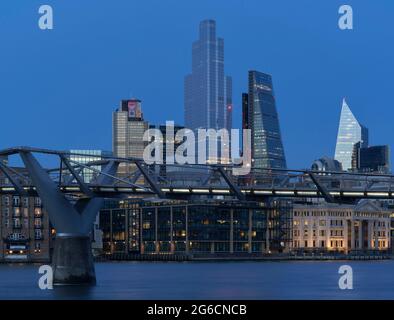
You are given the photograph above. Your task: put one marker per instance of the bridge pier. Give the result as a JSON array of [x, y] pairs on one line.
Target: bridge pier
[[72, 260]]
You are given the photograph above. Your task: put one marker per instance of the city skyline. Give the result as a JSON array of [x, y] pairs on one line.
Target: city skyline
[[152, 151], [96, 104]]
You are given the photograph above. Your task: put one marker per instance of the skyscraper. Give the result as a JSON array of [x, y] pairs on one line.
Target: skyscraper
[[371, 159], [267, 146], [128, 131], [86, 156], [208, 92], [350, 132]]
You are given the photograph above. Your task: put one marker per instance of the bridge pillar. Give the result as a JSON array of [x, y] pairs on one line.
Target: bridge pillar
[[72, 260]]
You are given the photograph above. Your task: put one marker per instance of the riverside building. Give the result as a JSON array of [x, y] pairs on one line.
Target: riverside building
[[341, 228], [25, 233], [212, 228]]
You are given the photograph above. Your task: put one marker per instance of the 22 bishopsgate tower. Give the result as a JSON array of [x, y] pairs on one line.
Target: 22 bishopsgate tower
[[208, 91]]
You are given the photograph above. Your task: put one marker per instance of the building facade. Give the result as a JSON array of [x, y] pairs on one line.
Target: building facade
[[350, 132], [207, 90], [374, 159], [25, 230], [341, 228], [326, 164], [262, 119], [128, 130], [198, 228], [86, 156], [25, 233]]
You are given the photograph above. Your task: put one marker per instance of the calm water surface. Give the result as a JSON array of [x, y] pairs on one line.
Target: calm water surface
[[210, 280]]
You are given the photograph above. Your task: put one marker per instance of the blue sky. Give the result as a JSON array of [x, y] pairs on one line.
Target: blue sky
[[58, 88]]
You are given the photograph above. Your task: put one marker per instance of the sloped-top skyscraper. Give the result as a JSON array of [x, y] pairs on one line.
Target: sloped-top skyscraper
[[262, 118], [208, 92], [350, 132]]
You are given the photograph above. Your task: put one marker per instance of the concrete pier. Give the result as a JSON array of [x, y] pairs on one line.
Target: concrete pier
[[72, 260]]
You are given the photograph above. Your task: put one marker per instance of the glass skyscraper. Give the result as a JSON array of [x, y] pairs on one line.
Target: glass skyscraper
[[208, 92], [371, 159], [350, 132], [267, 146], [86, 156]]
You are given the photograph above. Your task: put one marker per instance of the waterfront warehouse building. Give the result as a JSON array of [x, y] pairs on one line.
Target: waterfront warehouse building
[[25, 233], [343, 228], [202, 229]]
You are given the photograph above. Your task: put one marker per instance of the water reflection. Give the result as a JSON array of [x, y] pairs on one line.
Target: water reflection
[[210, 280], [72, 292]]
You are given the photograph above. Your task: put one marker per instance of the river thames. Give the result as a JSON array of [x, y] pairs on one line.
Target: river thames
[[210, 280]]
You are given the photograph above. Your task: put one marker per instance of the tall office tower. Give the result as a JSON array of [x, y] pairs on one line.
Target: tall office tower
[[208, 92], [86, 156], [267, 146], [374, 159], [349, 133], [128, 128], [245, 111]]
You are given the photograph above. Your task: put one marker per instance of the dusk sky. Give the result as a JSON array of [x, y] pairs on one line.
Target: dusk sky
[[58, 88]]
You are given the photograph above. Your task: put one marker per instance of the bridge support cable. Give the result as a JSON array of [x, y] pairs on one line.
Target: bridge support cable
[[156, 189], [240, 196], [13, 180], [325, 193], [82, 185]]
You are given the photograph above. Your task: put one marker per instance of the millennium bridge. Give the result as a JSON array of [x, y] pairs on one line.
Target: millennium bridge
[[73, 201]]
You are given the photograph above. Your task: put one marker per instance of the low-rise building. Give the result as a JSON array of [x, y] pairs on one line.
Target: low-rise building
[[25, 233], [343, 228], [215, 227]]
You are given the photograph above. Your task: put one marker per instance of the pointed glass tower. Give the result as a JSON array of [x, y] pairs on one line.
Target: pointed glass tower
[[350, 132]]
